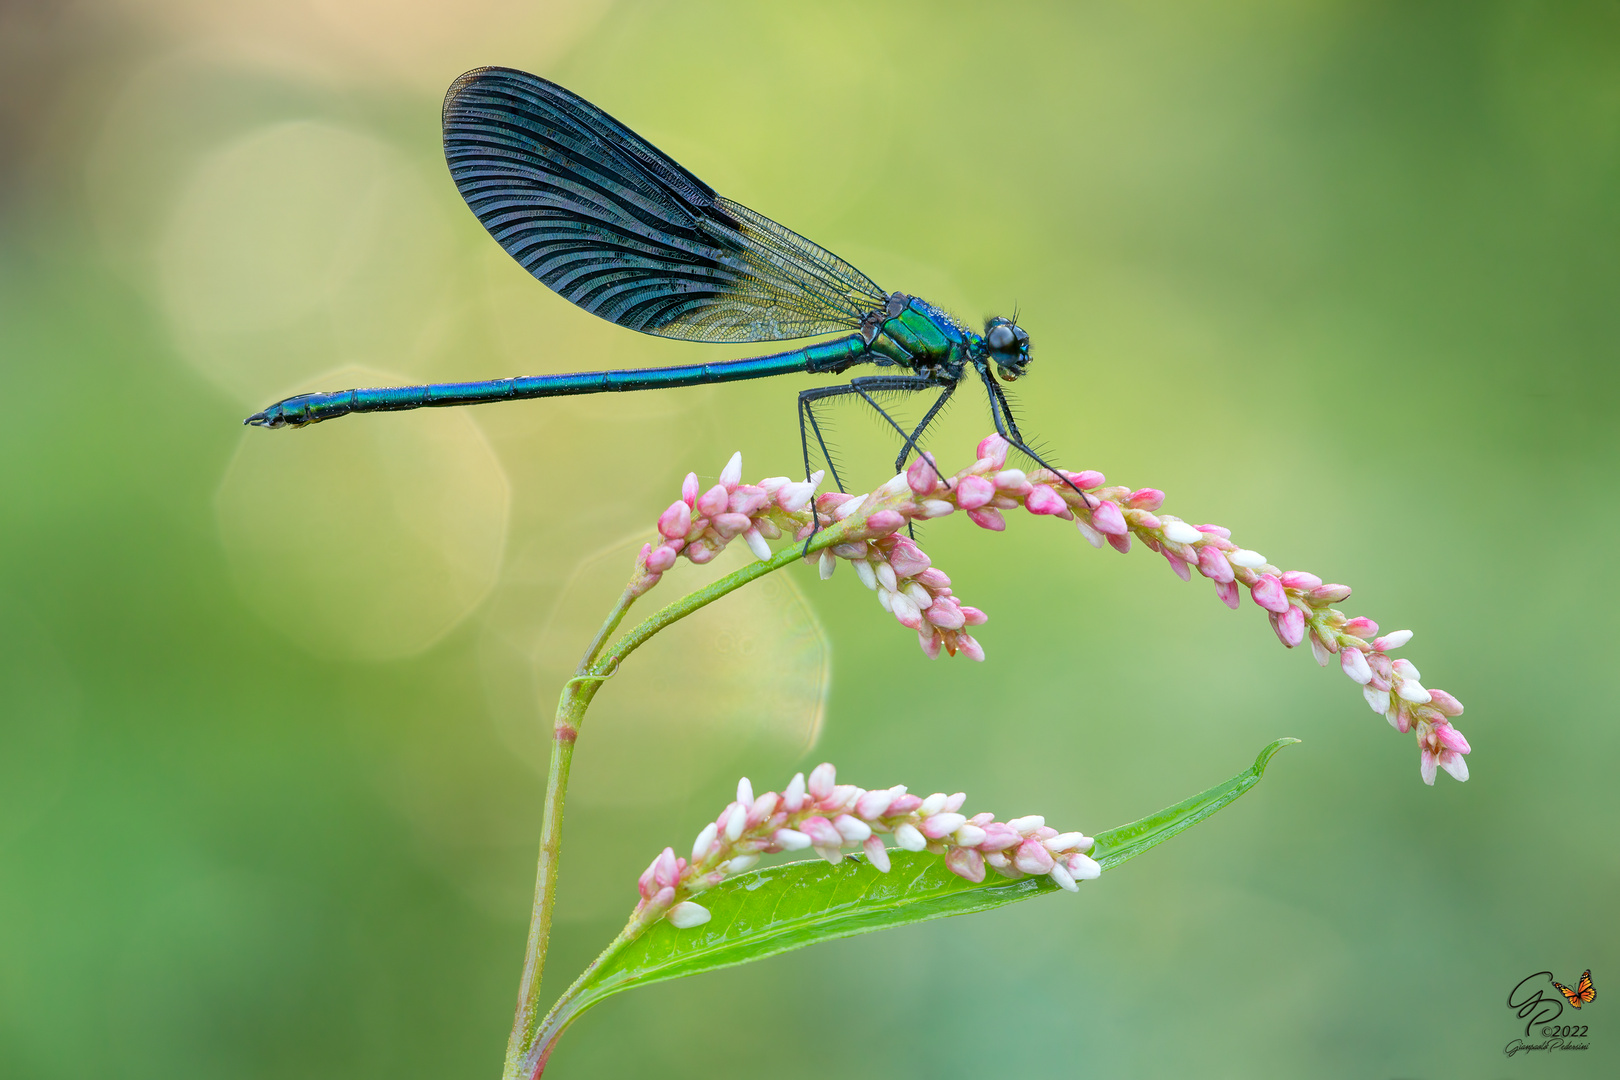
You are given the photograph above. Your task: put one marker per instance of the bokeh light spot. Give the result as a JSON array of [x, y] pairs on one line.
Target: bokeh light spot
[[366, 537]]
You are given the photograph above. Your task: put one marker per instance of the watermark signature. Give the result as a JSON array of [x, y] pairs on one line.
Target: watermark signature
[[1531, 1002]]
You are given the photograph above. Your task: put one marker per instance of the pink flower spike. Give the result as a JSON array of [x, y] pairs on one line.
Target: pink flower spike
[[876, 854], [1107, 520], [1228, 592], [1299, 580], [993, 448], [988, 518], [675, 522], [965, 863], [1268, 593], [1145, 499], [1362, 628]]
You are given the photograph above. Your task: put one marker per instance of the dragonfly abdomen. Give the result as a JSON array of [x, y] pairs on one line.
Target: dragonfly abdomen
[[826, 356]]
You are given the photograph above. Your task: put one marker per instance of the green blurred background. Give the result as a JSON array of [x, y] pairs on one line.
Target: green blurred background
[[1338, 275]]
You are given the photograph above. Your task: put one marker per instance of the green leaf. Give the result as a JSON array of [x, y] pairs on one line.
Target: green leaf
[[779, 908]]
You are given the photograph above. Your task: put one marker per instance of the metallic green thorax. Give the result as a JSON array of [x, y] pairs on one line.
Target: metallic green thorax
[[924, 339]]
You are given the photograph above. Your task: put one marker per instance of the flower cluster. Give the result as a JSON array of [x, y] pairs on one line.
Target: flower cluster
[[1300, 605], [830, 817], [700, 526]]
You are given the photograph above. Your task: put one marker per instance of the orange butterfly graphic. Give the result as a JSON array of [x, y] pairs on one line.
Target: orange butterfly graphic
[[1583, 993]]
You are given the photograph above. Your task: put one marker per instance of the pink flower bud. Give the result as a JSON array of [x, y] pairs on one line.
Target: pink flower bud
[[969, 835], [663, 897], [1145, 499], [1215, 531], [882, 522], [1178, 566], [907, 836], [1448, 705], [1362, 628], [922, 476], [1043, 500], [1033, 858], [1120, 542], [1213, 565], [1300, 580], [965, 863], [1086, 479], [940, 826], [1329, 594], [821, 832], [763, 808], [790, 839], [993, 449], [665, 872], [946, 614], [793, 799], [999, 835], [675, 522], [1082, 867], [988, 518], [729, 524], [714, 501], [930, 640], [823, 778], [1141, 519], [1228, 592], [1393, 640], [1290, 626], [969, 647], [1355, 665], [904, 803], [908, 559], [662, 557], [876, 854], [852, 829], [1107, 520], [1268, 593]]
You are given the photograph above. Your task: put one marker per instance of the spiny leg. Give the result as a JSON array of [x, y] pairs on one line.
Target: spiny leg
[[917, 433], [807, 412], [1007, 428]]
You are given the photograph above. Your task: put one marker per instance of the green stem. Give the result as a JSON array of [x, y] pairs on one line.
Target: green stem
[[534, 1037]]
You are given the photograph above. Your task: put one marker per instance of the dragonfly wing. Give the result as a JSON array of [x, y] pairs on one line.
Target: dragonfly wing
[[614, 225]]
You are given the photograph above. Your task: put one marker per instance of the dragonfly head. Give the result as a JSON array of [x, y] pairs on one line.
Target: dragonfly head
[[1008, 346]]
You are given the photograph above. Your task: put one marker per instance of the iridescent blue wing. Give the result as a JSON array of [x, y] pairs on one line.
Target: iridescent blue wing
[[611, 223]]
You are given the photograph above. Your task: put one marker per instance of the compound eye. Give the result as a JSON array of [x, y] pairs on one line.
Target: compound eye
[[1001, 338]]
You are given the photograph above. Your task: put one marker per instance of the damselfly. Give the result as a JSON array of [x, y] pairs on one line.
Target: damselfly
[[614, 225]]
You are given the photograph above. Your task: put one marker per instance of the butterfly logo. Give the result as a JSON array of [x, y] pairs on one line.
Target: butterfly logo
[[1583, 992]]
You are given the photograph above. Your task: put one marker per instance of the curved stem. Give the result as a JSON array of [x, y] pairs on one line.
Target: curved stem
[[533, 1038]]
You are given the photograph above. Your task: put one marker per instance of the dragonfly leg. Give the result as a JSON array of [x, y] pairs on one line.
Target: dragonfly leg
[[807, 399], [1007, 428]]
